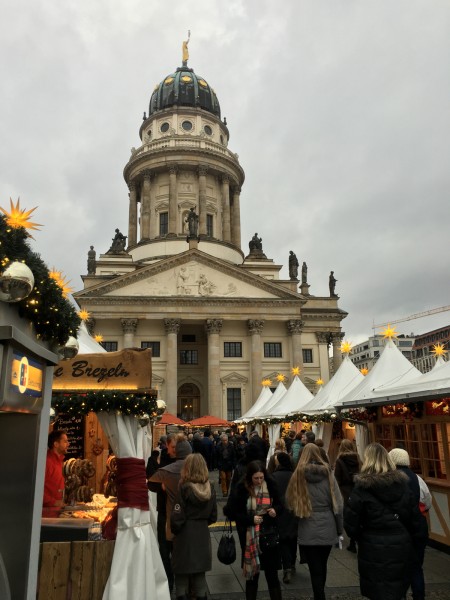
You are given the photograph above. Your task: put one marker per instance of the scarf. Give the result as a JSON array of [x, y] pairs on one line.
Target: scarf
[[256, 504]]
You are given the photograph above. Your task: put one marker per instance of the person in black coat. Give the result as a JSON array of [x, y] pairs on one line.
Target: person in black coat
[[287, 521], [383, 517], [226, 461], [259, 490], [421, 493], [346, 467], [260, 444]]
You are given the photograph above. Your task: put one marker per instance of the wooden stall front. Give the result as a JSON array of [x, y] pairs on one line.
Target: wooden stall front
[[423, 429]]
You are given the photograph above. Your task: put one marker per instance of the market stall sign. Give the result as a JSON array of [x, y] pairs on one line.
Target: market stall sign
[[26, 375], [129, 369]]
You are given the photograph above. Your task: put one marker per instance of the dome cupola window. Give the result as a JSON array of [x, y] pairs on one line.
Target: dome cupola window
[[207, 129], [164, 127], [187, 125]]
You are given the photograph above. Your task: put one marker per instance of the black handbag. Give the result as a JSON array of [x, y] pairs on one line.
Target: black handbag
[[226, 552], [269, 538]]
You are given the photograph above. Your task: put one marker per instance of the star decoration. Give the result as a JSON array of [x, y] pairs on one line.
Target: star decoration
[[19, 217], [266, 382], [84, 315], [319, 381], [281, 377], [346, 347], [439, 350], [389, 332], [295, 371], [61, 282], [98, 338], [364, 371]]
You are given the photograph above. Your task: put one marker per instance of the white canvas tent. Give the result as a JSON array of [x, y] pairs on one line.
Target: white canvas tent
[[264, 396]]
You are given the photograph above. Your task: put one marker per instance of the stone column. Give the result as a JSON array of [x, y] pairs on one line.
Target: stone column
[[129, 327], [213, 329], [337, 354], [323, 338], [255, 328], [295, 327], [226, 208], [173, 197], [172, 328], [145, 212], [132, 216], [236, 217], [202, 170]]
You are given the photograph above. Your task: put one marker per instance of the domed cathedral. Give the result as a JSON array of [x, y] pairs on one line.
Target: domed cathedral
[[218, 320]]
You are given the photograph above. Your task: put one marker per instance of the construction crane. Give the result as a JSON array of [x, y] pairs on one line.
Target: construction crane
[[427, 313]]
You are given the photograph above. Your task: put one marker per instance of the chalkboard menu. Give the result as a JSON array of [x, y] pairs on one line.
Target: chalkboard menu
[[74, 426]]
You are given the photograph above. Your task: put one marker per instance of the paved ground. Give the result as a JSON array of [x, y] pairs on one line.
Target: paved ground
[[227, 583]]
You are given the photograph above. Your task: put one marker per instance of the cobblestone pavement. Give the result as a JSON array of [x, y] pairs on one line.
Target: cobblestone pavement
[[226, 582]]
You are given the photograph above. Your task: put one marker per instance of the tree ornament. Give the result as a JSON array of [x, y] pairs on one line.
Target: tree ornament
[[69, 349], [143, 419], [16, 282], [161, 406]]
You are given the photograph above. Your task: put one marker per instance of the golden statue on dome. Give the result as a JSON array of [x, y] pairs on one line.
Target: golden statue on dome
[[185, 50]]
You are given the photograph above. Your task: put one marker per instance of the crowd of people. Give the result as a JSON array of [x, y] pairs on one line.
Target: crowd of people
[[299, 504]]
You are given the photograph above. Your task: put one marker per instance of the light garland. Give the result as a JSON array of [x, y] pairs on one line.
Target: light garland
[[108, 401]]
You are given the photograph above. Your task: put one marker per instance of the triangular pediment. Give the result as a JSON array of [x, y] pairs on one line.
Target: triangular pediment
[[191, 274], [234, 378]]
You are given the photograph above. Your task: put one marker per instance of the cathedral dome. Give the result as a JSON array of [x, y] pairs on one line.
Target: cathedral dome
[[184, 88]]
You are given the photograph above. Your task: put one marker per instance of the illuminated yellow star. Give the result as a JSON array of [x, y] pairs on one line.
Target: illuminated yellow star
[[295, 371], [98, 338], [84, 315], [319, 381], [364, 371], [61, 282], [439, 350], [19, 217], [346, 347], [281, 377], [389, 332], [266, 382]]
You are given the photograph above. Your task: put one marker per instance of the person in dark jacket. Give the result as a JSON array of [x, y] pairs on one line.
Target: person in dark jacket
[[313, 495], [422, 497], [251, 453], [346, 467], [207, 449], [226, 461], [382, 516], [255, 506], [287, 521], [195, 508], [257, 441]]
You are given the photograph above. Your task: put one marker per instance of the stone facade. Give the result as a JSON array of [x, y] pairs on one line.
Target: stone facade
[[218, 323]]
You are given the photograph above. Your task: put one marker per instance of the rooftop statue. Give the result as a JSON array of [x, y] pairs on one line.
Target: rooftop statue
[[192, 221], [332, 285], [293, 265], [185, 50], [118, 244]]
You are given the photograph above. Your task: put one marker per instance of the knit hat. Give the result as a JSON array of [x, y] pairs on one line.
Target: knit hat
[[399, 457], [182, 449], [284, 460]]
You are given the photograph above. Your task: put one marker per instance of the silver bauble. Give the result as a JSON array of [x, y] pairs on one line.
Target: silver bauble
[[70, 348], [144, 420], [16, 282], [160, 406]]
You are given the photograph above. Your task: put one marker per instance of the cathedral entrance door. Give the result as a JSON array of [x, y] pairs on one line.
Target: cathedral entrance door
[[188, 402]]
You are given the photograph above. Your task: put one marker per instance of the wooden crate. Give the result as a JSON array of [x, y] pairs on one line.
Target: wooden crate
[[73, 570]]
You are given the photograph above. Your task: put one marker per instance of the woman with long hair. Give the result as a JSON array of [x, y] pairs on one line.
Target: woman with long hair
[[280, 446], [346, 467], [382, 516], [255, 505], [194, 509], [313, 495]]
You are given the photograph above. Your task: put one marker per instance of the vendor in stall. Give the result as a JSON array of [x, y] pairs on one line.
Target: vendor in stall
[[58, 445]]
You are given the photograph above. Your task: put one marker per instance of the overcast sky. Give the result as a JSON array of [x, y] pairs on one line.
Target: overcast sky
[[339, 111]]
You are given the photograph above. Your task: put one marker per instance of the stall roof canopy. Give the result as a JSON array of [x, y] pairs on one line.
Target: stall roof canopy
[[87, 344], [169, 419], [346, 378], [264, 395], [391, 370], [209, 421], [293, 401], [265, 408]]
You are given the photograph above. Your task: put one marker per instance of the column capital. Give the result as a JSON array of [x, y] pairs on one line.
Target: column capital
[[173, 169], [203, 170], [324, 337], [338, 336], [147, 175], [172, 325], [255, 326], [225, 178], [129, 325], [294, 326], [213, 325], [90, 325], [236, 189], [132, 186]]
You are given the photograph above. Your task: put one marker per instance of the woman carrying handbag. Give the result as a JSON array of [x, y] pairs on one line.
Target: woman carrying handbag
[[254, 506]]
